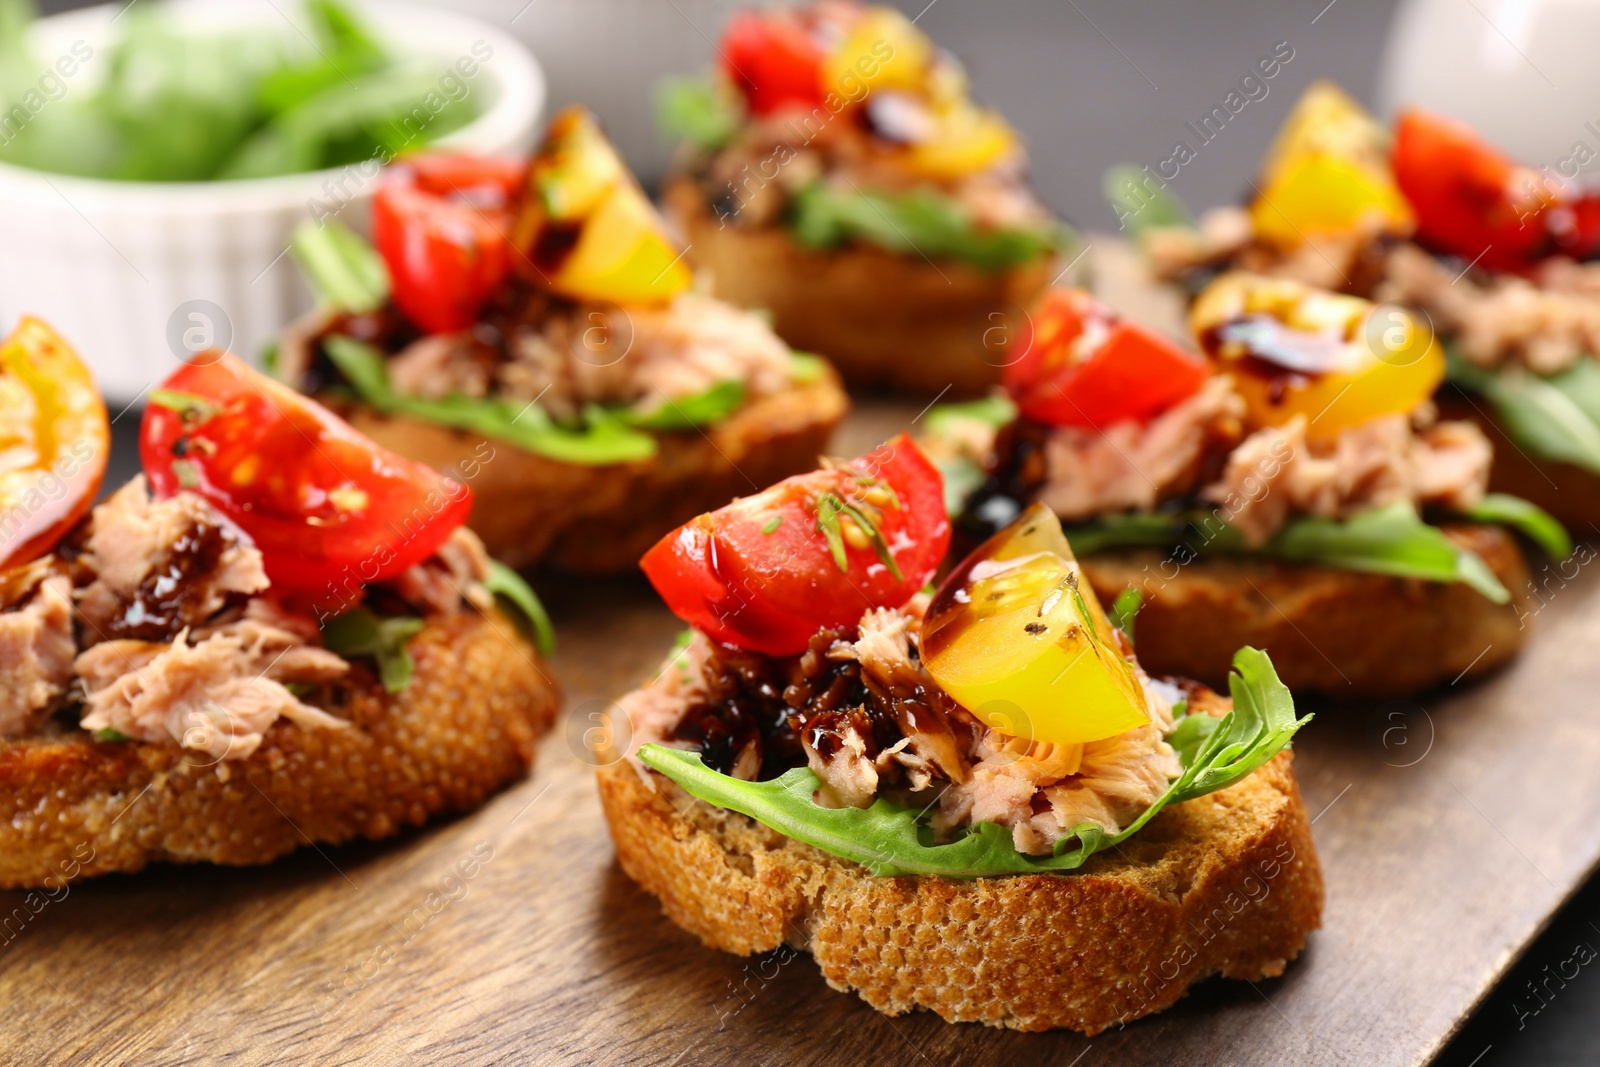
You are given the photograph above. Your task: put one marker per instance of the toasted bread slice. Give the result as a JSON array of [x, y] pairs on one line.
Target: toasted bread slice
[[530, 510], [71, 807], [1328, 630], [885, 320], [1227, 884]]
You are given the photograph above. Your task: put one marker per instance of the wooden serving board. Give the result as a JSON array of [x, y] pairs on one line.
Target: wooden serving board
[[1449, 828]]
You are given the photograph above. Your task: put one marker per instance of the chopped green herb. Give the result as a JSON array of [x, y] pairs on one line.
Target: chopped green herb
[[192, 409], [111, 735], [772, 524], [828, 508]]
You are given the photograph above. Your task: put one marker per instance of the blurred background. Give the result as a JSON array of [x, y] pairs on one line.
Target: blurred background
[[1090, 83]]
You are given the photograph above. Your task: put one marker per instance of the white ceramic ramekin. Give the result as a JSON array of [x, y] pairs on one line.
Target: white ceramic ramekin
[[135, 274]]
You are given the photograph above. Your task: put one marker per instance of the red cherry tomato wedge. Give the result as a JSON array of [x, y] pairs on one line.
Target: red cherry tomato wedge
[[1083, 366], [442, 224], [1473, 201], [326, 505], [773, 59], [768, 571]]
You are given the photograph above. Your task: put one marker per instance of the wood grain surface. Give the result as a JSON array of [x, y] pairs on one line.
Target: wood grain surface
[[1450, 828]]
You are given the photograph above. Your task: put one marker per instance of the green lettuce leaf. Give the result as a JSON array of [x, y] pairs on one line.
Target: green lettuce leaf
[[705, 408], [505, 582], [345, 271], [604, 437], [1532, 521], [695, 111], [890, 839], [1555, 418], [1391, 539], [961, 472], [1158, 209], [921, 222], [359, 632]]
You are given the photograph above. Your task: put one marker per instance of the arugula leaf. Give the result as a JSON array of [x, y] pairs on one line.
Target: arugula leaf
[[346, 272], [921, 222], [807, 367], [603, 438], [505, 582], [994, 411], [1535, 523], [1160, 208], [705, 408], [888, 839], [1125, 609], [359, 632], [1555, 418], [695, 110], [1391, 539], [962, 473]]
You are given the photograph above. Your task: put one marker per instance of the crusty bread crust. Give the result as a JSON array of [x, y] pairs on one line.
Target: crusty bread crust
[[599, 520], [1228, 884], [885, 320], [1328, 630], [465, 727]]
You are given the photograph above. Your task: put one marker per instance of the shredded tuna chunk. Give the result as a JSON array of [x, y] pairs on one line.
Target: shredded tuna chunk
[[162, 565], [1132, 465], [218, 697], [938, 756], [644, 356], [36, 646], [1277, 472], [454, 574], [1546, 322]]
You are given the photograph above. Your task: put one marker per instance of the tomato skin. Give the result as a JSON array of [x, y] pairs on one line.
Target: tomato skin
[[54, 441], [327, 507], [760, 575], [773, 60], [1083, 366], [442, 225], [1470, 200]]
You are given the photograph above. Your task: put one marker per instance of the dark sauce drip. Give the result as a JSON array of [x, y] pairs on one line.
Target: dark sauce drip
[[516, 306], [553, 245], [1017, 472], [1282, 357], [771, 703], [174, 594]]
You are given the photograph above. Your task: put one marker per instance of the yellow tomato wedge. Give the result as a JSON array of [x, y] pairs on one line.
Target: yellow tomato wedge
[[588, 230], [1016, 636], [883, 50], [1327, 173], [963, 140], [54, 441], [1294, 350]]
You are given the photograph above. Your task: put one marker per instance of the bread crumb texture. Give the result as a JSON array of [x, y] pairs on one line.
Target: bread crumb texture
[[71, 807], [1228, 884]]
